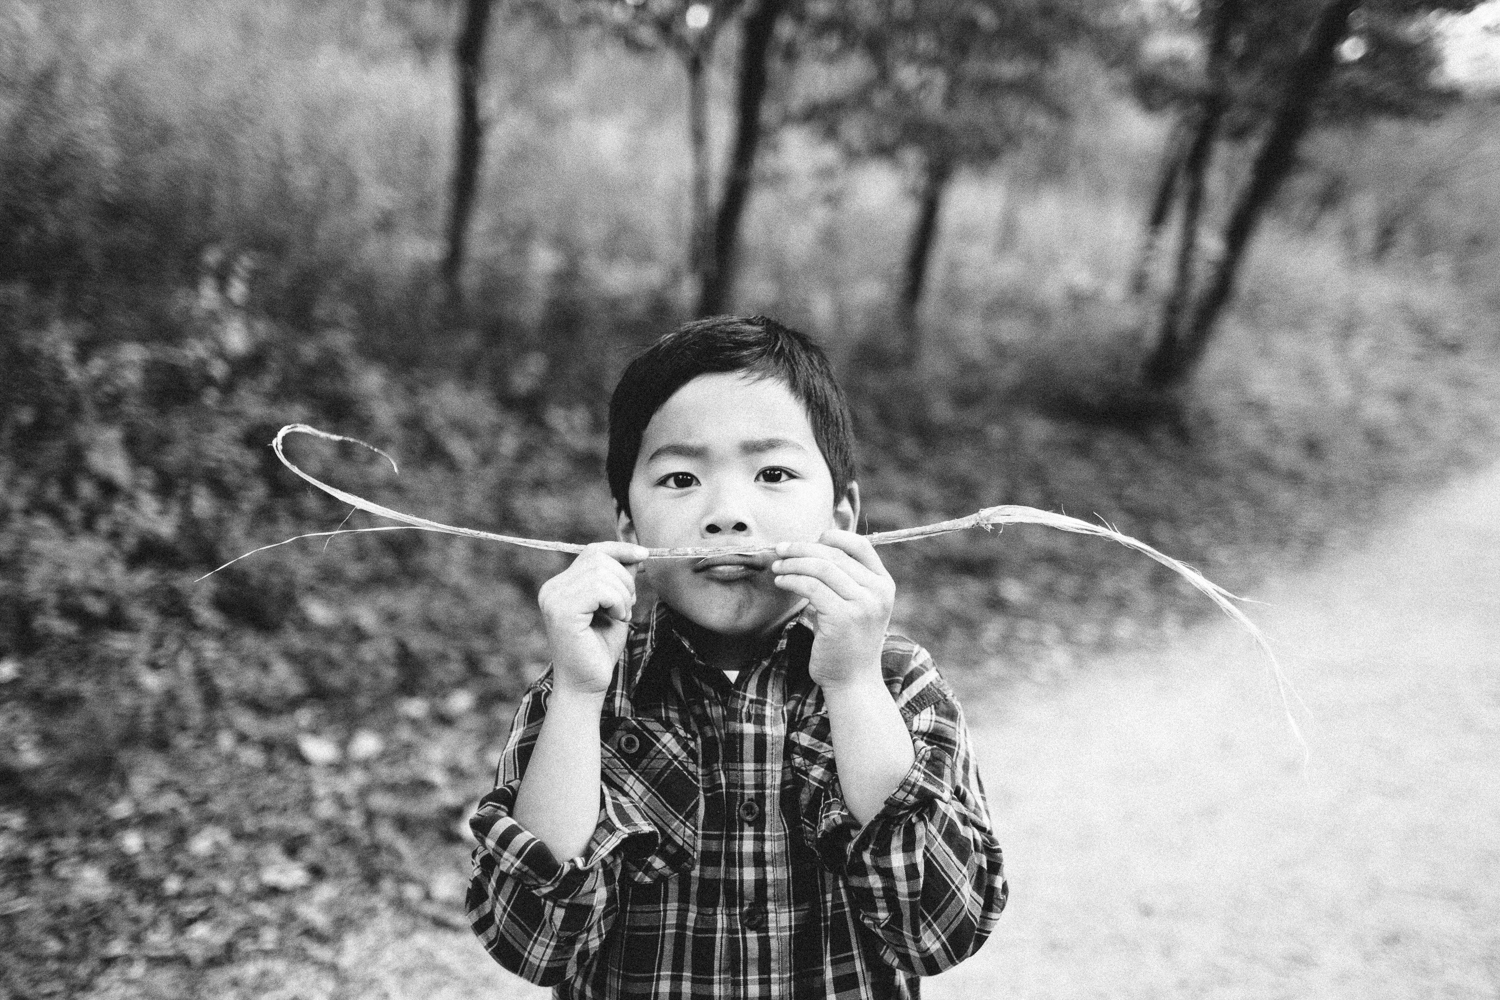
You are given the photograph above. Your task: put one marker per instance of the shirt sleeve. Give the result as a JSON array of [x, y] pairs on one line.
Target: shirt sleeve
[[925, 874], [537, 916]]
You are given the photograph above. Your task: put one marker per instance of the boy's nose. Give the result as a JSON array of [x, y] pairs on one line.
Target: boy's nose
[[725, 514], [726, 510]]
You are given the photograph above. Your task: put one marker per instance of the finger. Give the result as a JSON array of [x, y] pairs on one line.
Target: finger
[[611, 569], [831, 575], [838, 557], [606, 619], [858, 547], [818, 593], [591, 591], [616, 598], [592, 565], [624, 553]]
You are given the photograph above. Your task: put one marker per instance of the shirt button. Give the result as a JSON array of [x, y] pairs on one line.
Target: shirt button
[[749, 810], [753, 916], [629, 744]]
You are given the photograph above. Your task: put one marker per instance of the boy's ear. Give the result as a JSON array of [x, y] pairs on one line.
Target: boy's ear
[[846, 509], [625, 528]]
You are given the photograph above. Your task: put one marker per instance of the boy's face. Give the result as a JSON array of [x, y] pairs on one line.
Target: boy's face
[[728, 460]]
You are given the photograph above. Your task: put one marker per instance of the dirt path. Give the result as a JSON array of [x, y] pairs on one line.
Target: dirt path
[[1164, 836]]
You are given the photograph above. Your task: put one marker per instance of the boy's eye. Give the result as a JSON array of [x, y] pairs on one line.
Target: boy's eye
[[678, 480], [775, 475]]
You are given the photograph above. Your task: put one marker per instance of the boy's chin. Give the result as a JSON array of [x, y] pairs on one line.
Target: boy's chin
[[734, 619]]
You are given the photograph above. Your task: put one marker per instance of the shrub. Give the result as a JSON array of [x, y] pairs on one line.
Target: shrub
[[130, 468]]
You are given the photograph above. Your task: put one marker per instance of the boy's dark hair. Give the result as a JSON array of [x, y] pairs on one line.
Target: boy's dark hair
[[755, 345]]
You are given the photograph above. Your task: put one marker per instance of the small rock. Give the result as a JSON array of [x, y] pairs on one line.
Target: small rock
[[367, 619], [202, 941], [132, 842], [365, 745], [316, 917], [320, 612], [10, 670], [458, 704], [252, 756], [447, 887], [105, 456], [319, 751], [460, 828], [91, 882], [284, 875], [207, 840], [415, 709], [1014, 592]]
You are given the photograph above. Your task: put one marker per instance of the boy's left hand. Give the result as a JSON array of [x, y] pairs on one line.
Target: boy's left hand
[[851, 594]]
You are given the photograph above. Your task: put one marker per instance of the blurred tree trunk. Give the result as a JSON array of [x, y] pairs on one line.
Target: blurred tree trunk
[[1196, 155], [468, 156], [1162, 200], [937, 172], [755, 50], [1177, 355], [699, 235]]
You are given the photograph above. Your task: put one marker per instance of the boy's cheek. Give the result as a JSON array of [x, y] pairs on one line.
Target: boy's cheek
[[653, 572]]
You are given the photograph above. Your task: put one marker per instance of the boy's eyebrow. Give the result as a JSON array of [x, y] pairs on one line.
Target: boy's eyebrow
[[759, 446], [755, 446], [678, 450]]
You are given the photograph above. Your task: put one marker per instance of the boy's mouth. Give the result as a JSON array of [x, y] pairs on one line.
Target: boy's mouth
[[730, 568]]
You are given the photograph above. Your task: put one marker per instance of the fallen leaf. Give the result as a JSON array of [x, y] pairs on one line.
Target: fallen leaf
[[284, 875], [319, 751], [207, 840]]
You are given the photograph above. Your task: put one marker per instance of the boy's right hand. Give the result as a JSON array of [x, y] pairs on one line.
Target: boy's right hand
[[586, 613]]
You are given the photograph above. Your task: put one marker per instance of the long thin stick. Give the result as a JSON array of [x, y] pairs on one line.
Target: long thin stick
[[988, 518]]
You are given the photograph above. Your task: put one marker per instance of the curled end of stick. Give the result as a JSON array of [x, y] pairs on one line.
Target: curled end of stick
[[325, 435]]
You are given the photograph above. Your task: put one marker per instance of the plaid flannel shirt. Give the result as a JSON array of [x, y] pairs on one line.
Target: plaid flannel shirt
[[725, 863]]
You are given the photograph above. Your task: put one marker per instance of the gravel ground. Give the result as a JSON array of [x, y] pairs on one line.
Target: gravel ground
[[1168, 835]]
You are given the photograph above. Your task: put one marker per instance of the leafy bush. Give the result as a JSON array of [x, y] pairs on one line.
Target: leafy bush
[[130, 468]]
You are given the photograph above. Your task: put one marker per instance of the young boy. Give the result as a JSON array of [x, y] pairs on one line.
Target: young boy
[[781, 800]]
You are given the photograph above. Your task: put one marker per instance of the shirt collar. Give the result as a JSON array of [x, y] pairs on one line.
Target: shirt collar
[[667, 631]]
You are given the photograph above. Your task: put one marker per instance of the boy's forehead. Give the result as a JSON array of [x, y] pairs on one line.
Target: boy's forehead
[[732, 404]]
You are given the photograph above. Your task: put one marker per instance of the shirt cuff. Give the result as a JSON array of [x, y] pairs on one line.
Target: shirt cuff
[[840, 833], [519, 854]]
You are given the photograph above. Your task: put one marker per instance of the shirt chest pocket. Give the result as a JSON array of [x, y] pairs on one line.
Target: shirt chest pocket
[[811, 774], [653, 767]]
